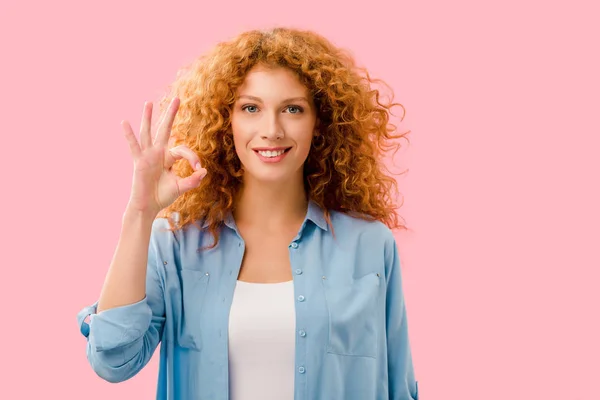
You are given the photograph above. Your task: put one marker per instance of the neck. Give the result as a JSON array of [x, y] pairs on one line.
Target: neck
[[271, 204]]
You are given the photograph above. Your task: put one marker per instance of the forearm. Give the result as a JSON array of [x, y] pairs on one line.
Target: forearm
[[125, 281]]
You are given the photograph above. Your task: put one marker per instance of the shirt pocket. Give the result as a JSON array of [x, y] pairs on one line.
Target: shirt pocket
[[188, 329], [354, 310]]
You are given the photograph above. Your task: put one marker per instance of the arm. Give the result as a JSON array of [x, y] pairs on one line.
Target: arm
[[122, 336], [126, 278], [402, 384]]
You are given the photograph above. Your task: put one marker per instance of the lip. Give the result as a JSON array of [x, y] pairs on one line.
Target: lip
[[271, 160], [271, 148]]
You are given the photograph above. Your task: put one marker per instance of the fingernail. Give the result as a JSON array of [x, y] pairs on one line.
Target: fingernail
[[197, 166]]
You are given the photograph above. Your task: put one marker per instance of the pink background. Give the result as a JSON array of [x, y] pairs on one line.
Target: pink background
[[502, 194]]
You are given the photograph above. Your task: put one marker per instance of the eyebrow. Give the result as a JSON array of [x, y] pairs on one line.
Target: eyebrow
[[258, 99]]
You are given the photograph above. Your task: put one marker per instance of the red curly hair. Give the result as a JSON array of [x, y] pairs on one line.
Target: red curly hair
[[344, 170]]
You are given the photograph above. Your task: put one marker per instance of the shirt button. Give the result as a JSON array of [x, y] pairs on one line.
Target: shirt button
[[298, 272], [294, 245], [301, 370], [300, 298], [302, 332]]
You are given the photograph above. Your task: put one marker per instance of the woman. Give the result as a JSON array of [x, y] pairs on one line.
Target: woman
[[258, 249]]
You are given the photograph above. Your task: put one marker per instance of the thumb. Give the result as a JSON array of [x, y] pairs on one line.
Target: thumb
[[192, 181]]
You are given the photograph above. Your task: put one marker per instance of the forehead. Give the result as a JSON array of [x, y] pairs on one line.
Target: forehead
[[272, 82]]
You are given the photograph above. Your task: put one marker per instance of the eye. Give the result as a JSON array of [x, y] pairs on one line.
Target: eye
[[250, 108], [295, 109]]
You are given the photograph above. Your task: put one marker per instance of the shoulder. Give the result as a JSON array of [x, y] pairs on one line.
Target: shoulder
[[169, 234], [162, 234], [166, 229], [372, 241], [348, 226]]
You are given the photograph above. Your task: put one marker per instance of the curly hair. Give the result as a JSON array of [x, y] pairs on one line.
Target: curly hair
[[344, 170]]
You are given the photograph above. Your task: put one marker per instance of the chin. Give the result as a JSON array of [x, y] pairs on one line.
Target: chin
[[271, 175]]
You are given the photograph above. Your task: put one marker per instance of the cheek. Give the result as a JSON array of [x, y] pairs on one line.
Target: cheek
[[239, 147], [236, 138], [239, 136], [304, 147]]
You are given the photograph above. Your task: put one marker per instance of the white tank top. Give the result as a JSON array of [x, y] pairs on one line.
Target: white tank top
[[262, 338]]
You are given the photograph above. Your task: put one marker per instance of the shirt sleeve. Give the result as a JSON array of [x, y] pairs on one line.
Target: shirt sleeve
[[402, 384], [121, 340]]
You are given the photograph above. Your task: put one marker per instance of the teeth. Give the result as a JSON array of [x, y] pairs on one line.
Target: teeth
[[271, 153]]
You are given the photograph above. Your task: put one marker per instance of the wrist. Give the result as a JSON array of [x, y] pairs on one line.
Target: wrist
[[132, 214]]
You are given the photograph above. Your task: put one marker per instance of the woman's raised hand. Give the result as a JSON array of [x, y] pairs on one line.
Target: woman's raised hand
[[155, 185]]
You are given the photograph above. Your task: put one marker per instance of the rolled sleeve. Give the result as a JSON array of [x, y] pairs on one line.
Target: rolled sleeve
[[115, 327], [121, 340]]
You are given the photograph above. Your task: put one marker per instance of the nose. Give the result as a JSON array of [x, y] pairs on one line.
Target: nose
[[272, 129]]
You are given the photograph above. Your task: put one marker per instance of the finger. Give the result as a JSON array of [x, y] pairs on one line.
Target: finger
[[192, 181], [134, 146], [146, 126], [166, 125], [160, 123], [179, 152]]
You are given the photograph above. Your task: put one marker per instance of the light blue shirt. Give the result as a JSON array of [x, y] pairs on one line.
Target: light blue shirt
[[351, 328]]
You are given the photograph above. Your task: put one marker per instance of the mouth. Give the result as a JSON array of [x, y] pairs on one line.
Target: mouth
[[271, 155], [271, 152]]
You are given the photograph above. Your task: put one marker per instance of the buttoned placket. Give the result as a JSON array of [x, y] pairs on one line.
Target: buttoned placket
[[232, 281], [301, 307], [300, 380]]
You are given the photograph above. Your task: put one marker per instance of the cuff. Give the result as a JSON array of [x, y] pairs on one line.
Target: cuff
[[115, 327]]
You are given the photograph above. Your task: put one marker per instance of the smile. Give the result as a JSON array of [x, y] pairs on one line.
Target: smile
[[271, 155]]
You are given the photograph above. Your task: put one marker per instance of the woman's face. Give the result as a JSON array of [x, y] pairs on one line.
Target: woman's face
[[273, 124]]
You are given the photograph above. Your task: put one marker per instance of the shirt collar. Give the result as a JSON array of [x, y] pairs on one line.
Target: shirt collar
[[314, 213]]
